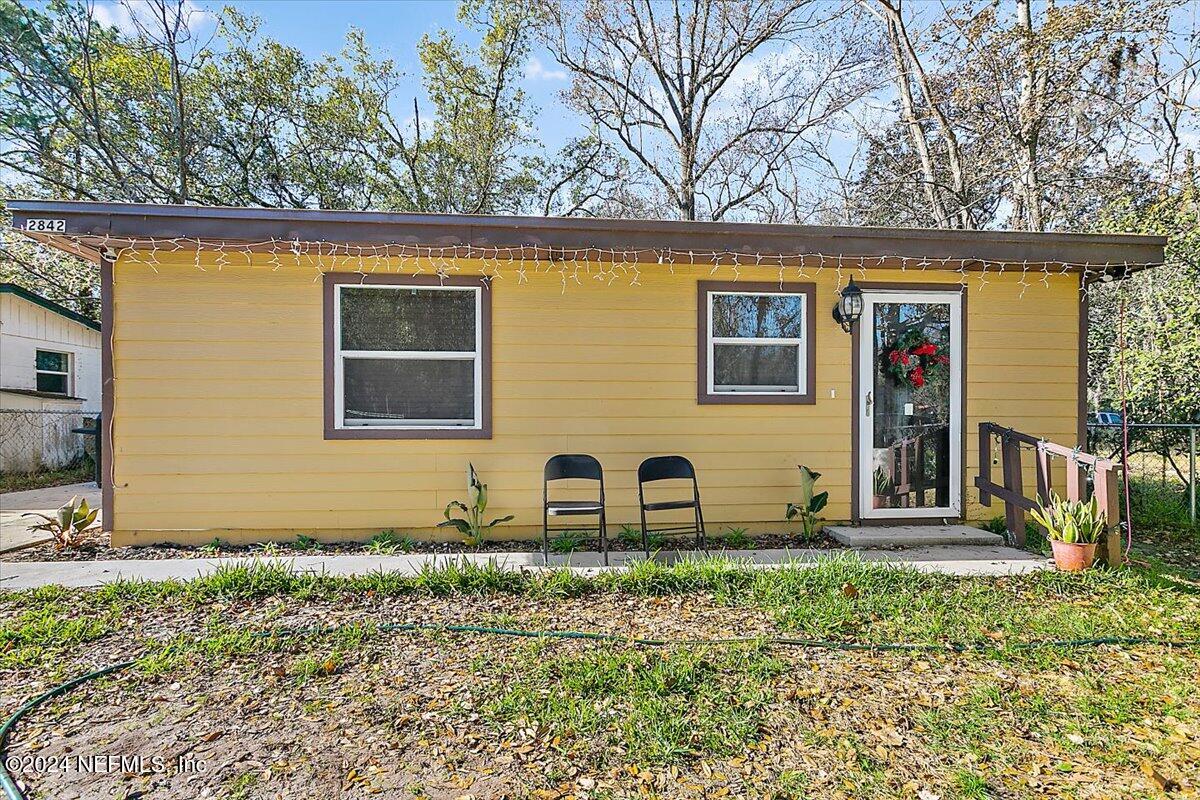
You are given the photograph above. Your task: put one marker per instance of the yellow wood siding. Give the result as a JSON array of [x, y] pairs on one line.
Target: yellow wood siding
[[219, 409]]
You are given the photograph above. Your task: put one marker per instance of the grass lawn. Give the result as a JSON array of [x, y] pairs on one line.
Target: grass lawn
[[21, 481], [279, 683]]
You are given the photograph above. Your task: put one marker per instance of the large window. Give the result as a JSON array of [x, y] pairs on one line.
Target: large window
[[53, 372], [757, 343], [408, 358]]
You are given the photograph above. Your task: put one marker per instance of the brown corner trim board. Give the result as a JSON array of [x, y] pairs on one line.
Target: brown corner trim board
[[107, 400]]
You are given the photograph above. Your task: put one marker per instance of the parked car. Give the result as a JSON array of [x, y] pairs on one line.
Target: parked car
[[1106, 418]]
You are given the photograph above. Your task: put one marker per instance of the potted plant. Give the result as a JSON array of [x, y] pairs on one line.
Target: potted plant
[[882, 488], [1074, 528]]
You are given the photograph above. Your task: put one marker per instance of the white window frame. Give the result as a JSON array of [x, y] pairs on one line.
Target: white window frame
[[67, 373], [340, 356], [800, 344]]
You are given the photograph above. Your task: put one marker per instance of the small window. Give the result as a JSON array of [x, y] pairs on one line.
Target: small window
[[53, 372], [758, 343], [408, 359]]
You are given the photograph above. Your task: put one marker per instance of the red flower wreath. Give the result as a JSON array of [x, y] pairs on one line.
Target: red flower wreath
[[913, 359]]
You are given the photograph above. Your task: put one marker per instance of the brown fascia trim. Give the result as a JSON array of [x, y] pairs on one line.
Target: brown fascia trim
[[329, 331], [703, 396], [142, 222], [855, 392]]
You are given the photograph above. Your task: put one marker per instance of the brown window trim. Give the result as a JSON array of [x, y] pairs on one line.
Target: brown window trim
[[809, 290], [332, 280]]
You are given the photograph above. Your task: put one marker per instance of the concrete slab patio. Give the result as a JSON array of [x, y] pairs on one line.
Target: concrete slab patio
[[910, 535], [957, 560], [14, 526]]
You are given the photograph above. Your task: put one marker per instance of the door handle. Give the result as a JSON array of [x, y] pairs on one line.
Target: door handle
[[870, 400]]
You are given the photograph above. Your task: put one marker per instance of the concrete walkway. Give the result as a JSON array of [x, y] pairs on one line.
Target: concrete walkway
[[952, 560], [14, 526]]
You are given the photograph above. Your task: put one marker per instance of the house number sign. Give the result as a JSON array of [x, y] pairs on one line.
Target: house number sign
[[46, 225]]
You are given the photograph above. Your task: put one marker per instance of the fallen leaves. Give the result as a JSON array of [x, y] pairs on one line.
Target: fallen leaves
[[1163, 783]]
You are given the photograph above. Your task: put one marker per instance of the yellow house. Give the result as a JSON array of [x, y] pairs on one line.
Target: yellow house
[[274, 372]]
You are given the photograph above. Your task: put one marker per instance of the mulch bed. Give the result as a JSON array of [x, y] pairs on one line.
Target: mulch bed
[[98, 548]]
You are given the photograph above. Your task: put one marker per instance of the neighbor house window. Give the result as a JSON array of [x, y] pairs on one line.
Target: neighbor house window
[[53, 372], [409, 357], [756, 343]]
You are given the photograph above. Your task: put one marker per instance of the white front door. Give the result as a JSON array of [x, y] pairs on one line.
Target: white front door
[[910, 399]]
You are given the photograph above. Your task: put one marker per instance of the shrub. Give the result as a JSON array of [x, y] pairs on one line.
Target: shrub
[[306, 543], [472, 526], [568, 541], [810, 504], [737, 539], [71, 525], [387, 541]]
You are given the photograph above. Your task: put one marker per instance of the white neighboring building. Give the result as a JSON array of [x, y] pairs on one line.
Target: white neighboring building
[[49, 379]]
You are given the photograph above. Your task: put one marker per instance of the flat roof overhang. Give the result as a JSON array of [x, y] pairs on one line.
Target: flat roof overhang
[[90, 226]]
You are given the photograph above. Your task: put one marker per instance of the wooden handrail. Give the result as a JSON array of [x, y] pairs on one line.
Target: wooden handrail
[[1012, 492]]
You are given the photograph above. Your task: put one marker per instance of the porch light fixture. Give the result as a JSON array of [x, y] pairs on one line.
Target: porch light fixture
[[849, 307]]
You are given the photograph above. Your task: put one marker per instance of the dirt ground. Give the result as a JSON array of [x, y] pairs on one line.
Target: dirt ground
[[415, 714]]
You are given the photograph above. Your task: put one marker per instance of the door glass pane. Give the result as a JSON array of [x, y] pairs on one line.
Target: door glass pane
[[392, 391], [408, 319], [911, 405], [756, 367]]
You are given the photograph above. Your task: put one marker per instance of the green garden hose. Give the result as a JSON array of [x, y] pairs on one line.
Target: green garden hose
[[6, 780], [13, 793]]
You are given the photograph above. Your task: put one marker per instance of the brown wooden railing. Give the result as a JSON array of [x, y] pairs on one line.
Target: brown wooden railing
[[910, 479], [1080, 465]]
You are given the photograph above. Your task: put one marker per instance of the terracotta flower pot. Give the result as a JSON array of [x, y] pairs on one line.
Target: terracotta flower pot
[[1070, 557]]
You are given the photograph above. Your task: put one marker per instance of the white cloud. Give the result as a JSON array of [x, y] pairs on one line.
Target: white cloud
[[535, 70], [125, 15]]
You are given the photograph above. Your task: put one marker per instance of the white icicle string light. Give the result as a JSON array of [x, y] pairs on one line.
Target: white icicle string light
[[606, 265]]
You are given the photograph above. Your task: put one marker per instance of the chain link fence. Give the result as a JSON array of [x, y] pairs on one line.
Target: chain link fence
[[40, 441], [1162, 468]]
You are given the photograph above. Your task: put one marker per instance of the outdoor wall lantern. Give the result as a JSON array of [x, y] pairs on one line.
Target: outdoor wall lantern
[[849, 307]]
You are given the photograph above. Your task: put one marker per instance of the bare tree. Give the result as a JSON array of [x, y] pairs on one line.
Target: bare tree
[[165, 29], [947, 203], [707, 97]]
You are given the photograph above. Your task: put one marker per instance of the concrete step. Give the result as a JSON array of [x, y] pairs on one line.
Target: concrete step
[[911, 535]]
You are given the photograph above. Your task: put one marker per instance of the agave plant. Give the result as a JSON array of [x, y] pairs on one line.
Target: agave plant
[[810, 504], [70, 525], [1071, 521], [472, 526]]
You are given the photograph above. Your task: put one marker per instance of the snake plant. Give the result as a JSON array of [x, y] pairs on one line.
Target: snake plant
[[1071, 521]]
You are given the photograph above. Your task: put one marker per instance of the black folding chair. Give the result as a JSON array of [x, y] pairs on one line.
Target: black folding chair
[[662, 468], [566, 467]]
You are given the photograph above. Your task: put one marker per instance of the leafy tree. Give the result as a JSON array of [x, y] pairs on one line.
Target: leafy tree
[[158, 115], [1161, 318]]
